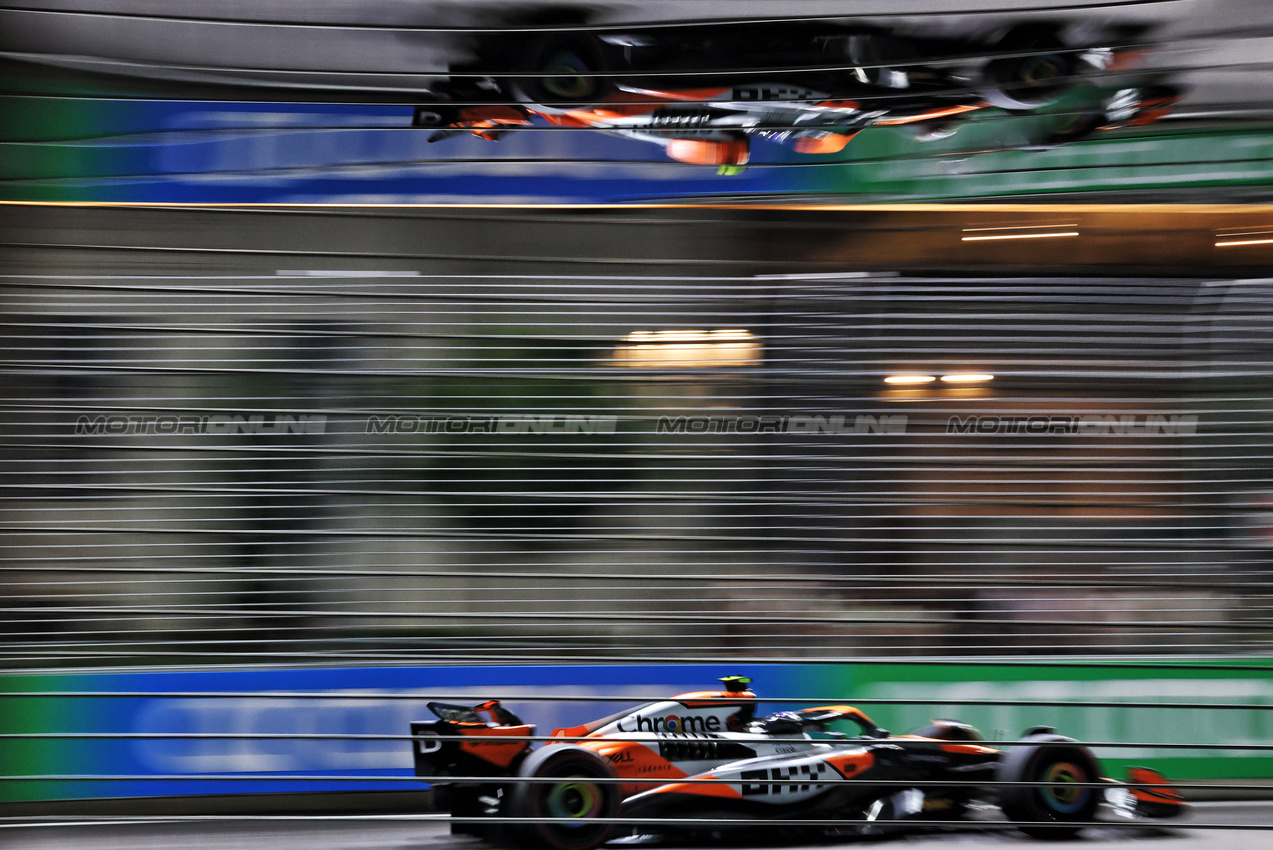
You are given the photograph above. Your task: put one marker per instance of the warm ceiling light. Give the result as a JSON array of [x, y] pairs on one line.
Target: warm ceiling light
[[909, 379], [1250, 237], [967, 379], [1020, 231], [1018, 236], [730, 347]]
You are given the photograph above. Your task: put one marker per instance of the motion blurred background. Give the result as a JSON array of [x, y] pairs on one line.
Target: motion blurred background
[[415, 411]]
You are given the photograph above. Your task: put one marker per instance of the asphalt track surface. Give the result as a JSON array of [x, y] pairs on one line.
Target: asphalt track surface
[[428, 833]]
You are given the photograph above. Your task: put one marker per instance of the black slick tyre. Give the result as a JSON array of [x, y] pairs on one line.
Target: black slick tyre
[[575, 800], [1059, 799], [562, 72], [1042, 73]]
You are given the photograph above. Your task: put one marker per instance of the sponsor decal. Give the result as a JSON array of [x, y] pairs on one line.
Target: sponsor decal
[[760, 783], [670, 723]]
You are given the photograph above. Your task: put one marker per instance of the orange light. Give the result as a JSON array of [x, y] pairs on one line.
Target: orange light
[[967, 379], [725, 347], [1249, 237], [909, 379], [1018, 236]]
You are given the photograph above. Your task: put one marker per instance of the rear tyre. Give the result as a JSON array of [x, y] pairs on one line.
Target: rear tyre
[[1060, 799], [565, 72], [575, 800], [1033, 80]]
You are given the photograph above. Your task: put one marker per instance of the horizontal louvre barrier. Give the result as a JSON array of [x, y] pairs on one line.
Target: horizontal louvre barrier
[[369, 467], [262, 505]]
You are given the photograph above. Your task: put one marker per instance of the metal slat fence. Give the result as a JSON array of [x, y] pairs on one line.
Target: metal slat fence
[[408, 466]]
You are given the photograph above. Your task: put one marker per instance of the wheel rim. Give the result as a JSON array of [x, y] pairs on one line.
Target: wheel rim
[[1041, 72], [1063, 793], [574, 801], [569, 78]]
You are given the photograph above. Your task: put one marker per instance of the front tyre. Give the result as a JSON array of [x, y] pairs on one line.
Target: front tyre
[[1059, 798], [575, 801]]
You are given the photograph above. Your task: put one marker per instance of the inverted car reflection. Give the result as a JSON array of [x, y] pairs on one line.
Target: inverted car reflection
[[703, 93]]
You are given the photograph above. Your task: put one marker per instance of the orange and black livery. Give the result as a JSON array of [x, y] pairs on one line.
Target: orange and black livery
[[707, 755]]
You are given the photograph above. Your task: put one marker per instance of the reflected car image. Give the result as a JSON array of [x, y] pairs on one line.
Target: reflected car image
[[704, 93], [705, 755]]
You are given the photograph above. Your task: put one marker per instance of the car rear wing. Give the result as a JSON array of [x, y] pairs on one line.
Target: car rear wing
[[480, 740]]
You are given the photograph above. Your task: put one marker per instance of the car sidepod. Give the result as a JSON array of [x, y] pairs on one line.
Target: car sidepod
[[840, 781], [772, 786]]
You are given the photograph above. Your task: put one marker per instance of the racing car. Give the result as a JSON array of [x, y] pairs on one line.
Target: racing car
[[705, 755], [810, 87]]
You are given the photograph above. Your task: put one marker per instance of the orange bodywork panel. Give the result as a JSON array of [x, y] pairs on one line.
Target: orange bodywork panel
[[609, 112], [482, 741], [570, 119], [701, 789], [944, 112], [825, 143], [852, 712], [852, 763], [495, 113], [709, 151], [969, 749], [1148, 776], [634, 760], [571, 732]]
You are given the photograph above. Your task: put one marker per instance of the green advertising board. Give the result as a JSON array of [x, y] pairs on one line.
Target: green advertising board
[[1098, 704]]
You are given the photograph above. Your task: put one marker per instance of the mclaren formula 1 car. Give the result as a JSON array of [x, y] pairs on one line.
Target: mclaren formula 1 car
[[704, 93], [705, 755]]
